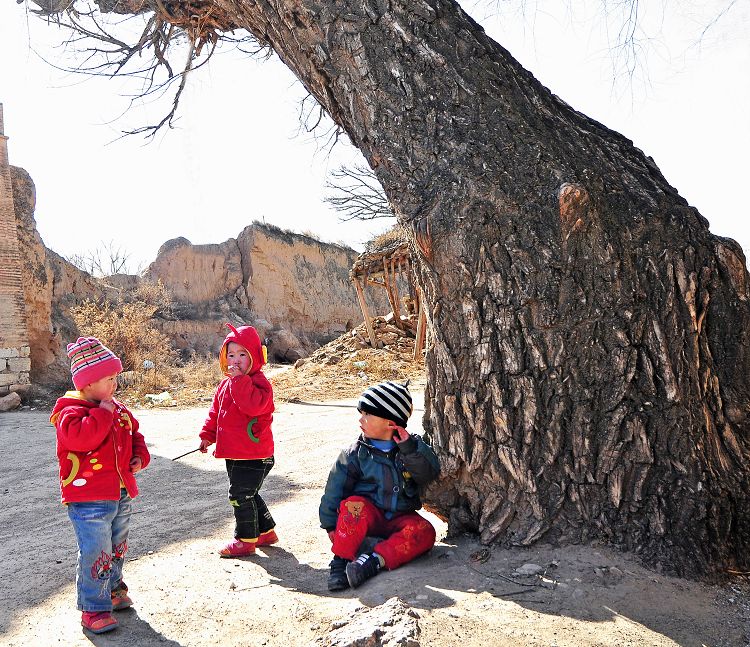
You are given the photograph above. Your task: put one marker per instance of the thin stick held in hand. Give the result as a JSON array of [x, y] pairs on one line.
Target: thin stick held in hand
[[192, 451]]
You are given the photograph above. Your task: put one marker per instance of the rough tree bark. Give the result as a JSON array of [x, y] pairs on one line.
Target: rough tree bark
[[588, 378]]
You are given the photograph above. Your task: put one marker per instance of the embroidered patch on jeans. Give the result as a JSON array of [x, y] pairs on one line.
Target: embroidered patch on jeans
[[101, 568], [120, 549]]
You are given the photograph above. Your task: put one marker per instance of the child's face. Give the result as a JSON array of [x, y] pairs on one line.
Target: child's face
[[375, 427], [239, 356], [102, 389]]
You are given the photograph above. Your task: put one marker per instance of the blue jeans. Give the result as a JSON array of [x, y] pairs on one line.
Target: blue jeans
[[101, 529]]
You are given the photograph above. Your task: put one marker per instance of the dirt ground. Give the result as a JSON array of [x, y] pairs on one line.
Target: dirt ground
[[185, 595]]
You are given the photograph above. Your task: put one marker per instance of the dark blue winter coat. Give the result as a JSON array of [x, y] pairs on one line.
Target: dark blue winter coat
[[391, 480]]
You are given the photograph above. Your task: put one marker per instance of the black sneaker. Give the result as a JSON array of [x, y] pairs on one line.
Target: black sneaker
[[363, 568], [337, 580]]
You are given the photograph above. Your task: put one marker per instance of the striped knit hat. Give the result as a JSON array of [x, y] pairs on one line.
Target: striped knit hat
[[90, 361], [388, 400]]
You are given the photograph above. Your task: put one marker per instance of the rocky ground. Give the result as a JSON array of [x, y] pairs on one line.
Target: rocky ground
[[461, 594]]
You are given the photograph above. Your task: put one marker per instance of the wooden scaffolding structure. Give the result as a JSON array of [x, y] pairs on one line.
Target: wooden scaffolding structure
[[384, 268]]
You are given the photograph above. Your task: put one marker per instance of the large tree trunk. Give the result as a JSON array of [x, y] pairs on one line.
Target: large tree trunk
[[588, 377]]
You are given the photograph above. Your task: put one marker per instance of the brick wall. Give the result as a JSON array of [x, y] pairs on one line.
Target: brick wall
[[15, 362]]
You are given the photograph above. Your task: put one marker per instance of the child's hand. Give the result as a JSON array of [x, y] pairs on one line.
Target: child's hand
[[109, 405], [331, 534], [204, 445], [399, 433], [136, 464], [233, 371]]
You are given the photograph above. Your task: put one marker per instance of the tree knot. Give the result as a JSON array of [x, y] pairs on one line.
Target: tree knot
[[574, 205]]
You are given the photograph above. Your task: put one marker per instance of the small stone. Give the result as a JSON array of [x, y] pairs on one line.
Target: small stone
[[10, 402], [529, 569], [390, 623]]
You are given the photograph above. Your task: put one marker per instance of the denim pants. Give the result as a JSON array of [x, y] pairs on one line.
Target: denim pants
[[251, 513], [101, 529]]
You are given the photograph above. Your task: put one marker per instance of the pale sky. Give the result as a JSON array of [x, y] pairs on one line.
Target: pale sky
[[235, 155]]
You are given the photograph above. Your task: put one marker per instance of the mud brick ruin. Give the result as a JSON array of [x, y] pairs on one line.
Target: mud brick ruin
[[15, 360]]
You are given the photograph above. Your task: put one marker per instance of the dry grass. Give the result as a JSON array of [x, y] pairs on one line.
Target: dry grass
[[192, 384], [341, 369], [391, 238], [347, 378]]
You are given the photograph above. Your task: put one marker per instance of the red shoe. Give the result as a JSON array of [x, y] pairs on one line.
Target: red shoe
[[238, 548], [267, 538], [98, 622], [120, 598]]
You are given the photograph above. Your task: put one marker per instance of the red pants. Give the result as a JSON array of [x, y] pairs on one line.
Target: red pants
[[408, 534]]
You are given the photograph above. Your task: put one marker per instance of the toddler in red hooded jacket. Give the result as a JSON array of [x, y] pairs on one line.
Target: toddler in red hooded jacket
[[239, 422], [99, 449]]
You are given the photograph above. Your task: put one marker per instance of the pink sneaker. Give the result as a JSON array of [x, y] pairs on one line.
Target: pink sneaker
[[98, 622], [120, 598], [238, 548], [267, 538]]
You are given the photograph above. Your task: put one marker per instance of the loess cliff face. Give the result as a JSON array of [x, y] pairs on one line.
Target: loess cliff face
[[293, 288]]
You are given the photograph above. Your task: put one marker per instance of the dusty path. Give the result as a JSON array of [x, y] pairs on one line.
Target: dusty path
[[186, 596]]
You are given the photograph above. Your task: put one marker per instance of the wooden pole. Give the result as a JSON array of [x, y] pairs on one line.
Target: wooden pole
[[365, 311], [396, 296], [410, 282], [421, 329], [389, 291]]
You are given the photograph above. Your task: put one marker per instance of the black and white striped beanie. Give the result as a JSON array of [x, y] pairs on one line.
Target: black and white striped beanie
[[388, 400]]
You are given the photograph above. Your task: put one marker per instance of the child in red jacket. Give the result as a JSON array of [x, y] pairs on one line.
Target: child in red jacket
[[239, 422], [99, 450]]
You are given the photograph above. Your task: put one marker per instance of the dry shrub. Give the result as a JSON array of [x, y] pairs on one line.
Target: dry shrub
[[128, 330], [126, 325]]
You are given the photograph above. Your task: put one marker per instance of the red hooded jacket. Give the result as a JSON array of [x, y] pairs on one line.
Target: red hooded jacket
[[239, 421], [94, 448]]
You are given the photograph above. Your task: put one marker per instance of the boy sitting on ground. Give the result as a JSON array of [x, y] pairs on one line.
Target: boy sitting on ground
[[373, 489]]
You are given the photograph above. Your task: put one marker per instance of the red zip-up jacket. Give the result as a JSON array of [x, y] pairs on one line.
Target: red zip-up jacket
[[94, 448], [239, 420], [240, 417]]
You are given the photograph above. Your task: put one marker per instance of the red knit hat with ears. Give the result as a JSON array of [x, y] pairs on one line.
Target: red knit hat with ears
[[248, 338], [90, 361]]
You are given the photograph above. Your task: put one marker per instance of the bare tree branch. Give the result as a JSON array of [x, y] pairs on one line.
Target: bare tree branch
[[155, 31], [358, 195], [106, 260]]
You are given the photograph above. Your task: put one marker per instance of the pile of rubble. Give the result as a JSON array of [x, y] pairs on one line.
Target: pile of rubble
[[388, 337], [344, 366]]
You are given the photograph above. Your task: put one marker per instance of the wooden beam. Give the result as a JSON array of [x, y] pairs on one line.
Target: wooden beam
[[365, 311]]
